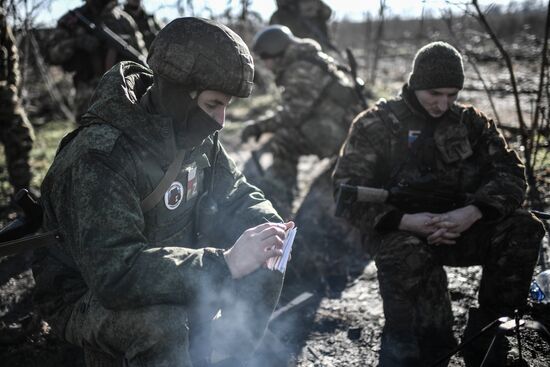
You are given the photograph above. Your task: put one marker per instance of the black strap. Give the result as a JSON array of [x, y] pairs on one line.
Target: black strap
[[158, 193]]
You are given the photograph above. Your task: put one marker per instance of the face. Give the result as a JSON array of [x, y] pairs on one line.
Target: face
[[214, 104], [437, 101]]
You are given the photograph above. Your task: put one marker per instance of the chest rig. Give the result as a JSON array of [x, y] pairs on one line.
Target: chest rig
[[424, 151]]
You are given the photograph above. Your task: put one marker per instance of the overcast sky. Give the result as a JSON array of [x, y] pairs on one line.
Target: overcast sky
[[350, 9]]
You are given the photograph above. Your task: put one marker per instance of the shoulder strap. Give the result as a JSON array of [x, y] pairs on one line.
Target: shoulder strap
[[171, 173]]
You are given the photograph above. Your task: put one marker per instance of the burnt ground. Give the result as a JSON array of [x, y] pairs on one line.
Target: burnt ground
[[339, 325]]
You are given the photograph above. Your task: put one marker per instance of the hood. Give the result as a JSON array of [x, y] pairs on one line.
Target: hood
[[116, 102]]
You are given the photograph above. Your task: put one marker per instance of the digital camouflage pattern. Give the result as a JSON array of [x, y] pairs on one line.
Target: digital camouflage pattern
[[147, 24], [16, 132], [318, 105], [214, 57], [81, 52], [114, 258], [465, 153]]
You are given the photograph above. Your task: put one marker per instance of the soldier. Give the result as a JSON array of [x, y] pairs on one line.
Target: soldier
[[423, 137], [146, 23], [77, 50], [139, 191], [306, 19], [318, 104], [16, 132]]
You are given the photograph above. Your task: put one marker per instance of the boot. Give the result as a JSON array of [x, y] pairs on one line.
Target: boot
[[475, 352]]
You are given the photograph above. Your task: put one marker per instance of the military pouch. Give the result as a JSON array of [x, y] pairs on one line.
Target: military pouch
[[452, 142]]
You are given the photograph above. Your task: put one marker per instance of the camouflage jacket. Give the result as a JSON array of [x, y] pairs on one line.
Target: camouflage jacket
[[75, 49], [92, 193], [318, 100], [9, 60], [462, 152], [146, 23]]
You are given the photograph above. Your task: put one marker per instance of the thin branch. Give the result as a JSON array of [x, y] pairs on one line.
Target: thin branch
[[508, 61]]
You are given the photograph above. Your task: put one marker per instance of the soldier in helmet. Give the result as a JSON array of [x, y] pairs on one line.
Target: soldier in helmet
[[147, 24], [77, 50], [423, 139], [16, 132], [318, 104], [159, 229], [305, 18]]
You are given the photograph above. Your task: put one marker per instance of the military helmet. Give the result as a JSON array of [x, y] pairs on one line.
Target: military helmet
[[202, 54], [272, 41]]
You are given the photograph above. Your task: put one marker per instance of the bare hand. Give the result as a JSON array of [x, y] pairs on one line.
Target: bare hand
[[429, 226], [255, 246], [452, 224], [418, 223]]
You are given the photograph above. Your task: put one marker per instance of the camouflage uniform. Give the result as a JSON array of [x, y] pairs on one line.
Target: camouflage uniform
[[16, 132], [79, 51], [125, 280], [146, 23], [463, 153], [318, 105], [305, 18]]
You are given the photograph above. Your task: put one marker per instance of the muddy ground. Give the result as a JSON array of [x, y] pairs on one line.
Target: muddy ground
[[339, 325]]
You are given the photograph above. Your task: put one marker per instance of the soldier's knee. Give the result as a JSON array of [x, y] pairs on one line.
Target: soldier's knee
[[403, 255]]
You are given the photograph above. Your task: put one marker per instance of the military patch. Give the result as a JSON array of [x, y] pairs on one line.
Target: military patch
[[413, 135], [174, 195], [192, 183]]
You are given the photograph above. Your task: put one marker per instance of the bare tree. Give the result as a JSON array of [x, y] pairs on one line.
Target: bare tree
[[378, 39], [529, 135]]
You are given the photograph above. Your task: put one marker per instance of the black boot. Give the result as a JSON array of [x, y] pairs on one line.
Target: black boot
[[475, 352]]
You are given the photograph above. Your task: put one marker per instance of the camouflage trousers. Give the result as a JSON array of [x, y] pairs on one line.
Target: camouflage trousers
[[17, 136], [413, 283], [170, 335]]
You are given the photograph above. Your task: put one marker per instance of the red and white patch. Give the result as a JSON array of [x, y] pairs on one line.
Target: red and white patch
[[174, 195]]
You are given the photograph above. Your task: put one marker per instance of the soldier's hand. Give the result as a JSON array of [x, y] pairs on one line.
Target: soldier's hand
[[419, 223], [251, 130], [458, 220], [255, 246]]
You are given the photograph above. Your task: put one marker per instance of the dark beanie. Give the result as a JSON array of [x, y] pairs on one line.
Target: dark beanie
[[437, 65]]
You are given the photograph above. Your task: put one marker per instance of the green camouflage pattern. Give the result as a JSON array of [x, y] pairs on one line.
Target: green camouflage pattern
[[469, 156], [113, 252], [147, 24], [16, 132], [203, 54], [76, 50], [318, 105]]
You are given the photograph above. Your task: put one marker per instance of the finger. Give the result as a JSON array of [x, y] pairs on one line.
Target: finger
[[272, 231], [446, 224], [272, 242], [445, 241], [271, 253], [289, 225], [264, 226], [432, 239], [450, 235]]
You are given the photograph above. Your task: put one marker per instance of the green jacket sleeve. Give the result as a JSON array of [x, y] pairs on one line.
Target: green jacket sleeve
[[503, 186], [98, 211], [359, 163]]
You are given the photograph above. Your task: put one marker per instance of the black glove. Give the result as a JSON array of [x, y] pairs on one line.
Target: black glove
[[251, 130]]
